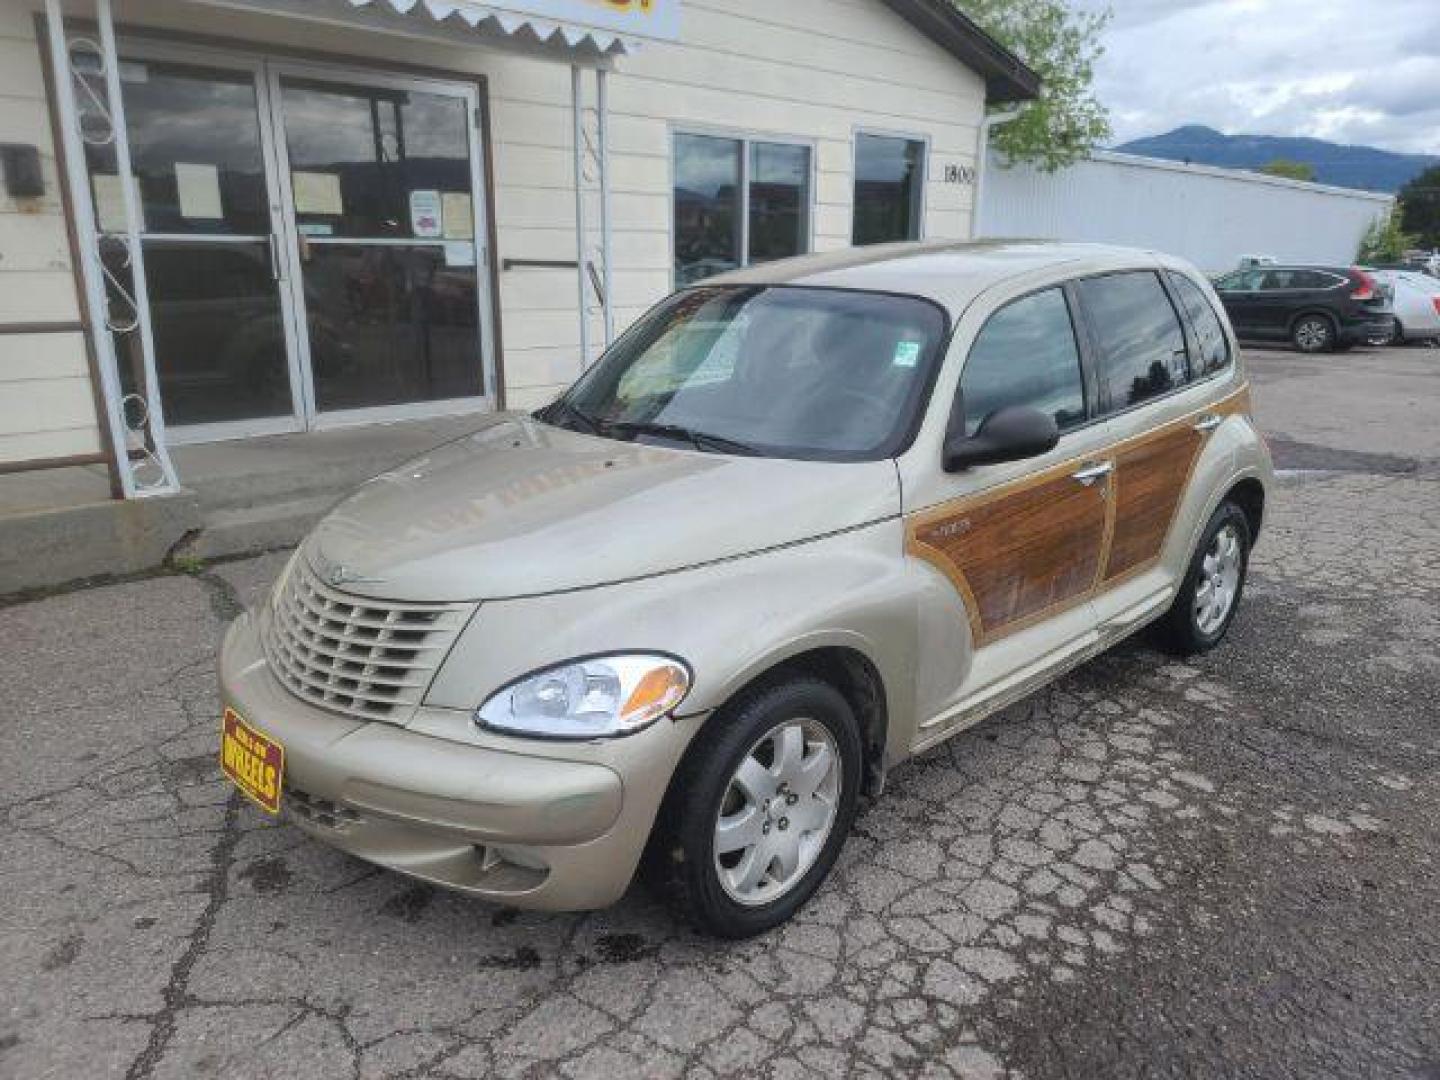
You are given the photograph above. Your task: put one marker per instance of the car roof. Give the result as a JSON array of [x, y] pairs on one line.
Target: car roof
[[950, 272]]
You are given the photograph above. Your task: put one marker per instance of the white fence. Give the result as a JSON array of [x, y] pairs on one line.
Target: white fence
[[1208, 215]]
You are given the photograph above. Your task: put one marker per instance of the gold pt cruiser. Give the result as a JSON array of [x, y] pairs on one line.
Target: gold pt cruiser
[[798, 524]]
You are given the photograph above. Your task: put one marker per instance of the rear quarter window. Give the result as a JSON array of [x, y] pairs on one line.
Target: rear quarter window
[[1138, 337], [1211, 345]]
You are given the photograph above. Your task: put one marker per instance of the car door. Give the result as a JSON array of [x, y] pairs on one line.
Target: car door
[[1161, 386], [1019, 543], [1281, 294], [1239, 291]]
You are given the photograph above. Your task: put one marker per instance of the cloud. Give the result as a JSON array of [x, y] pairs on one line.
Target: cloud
[[1331, 69]]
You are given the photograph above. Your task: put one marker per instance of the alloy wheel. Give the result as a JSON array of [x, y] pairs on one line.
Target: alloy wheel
[[777, 811], [1312, 335], [1219, 581]]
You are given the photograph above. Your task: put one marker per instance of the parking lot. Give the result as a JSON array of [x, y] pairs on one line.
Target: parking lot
[[1225, 867]]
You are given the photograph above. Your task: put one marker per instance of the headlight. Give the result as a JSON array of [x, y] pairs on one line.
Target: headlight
[[586, 699]]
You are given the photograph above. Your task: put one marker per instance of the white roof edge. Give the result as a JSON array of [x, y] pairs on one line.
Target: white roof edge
[[1244, 175]]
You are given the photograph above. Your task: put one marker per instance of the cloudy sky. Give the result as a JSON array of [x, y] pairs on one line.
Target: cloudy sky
[[1358, 71]]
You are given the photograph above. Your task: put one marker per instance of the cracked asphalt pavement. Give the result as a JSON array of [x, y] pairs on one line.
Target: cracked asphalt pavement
[[1224, 867]]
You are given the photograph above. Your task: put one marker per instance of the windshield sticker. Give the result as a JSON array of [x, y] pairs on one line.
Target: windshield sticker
[[907, 354]]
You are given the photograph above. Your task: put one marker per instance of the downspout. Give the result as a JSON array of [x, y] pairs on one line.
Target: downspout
[[982, 164], [577, 105], [606, 298]]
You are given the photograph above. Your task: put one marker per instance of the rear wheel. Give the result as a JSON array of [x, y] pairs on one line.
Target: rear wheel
[[760, 808], [1210, 593], [1313, 334]]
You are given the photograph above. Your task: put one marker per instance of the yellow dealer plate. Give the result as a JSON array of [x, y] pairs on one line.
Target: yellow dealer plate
[[253, 761]]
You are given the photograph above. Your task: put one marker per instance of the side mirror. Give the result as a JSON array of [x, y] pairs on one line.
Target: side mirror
[[1009, 434]]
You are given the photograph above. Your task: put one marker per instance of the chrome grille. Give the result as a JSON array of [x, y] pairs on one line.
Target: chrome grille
[[368, 658]]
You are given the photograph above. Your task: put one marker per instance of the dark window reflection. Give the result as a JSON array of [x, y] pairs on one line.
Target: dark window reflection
[[1142, 348], [707, 206], [206, 123], [1025, 355], [888, 178], [390, 324], [380, 145], [779, 200], [218, 331], [1214, 349]]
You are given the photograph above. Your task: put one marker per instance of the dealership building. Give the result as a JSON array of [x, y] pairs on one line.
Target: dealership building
[[224, 219]]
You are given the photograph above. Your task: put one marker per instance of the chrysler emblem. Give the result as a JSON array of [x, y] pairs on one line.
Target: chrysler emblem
[[338, 574]]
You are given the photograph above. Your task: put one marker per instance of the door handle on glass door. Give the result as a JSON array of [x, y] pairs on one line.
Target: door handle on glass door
[[1208, 423], [273, 245], [1090, 473]]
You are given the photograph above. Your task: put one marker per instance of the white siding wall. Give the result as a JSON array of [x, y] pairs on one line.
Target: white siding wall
[[810, 69], [1207, 215], [46, 407]]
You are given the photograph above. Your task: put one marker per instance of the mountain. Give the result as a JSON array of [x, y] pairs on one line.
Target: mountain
[[1364, 167]]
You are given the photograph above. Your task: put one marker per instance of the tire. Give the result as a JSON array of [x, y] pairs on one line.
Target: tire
[[1313, 334], [1192, 626], [686, 861], [1397, 336]]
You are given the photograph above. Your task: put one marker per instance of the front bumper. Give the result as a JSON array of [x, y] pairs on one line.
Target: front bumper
[[537, 825]]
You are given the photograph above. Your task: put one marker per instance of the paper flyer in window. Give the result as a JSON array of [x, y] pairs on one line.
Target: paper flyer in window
[[459, 253], [425, 214], [110, 203], [458, 215], [199, 190], [317, 193]]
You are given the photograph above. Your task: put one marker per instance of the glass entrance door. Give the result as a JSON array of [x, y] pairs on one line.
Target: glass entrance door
[[204, 174], [380, 191]]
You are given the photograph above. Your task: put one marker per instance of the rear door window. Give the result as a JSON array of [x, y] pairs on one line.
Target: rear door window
[[1138, 338], [1025, 355], [1211, 344], [1283, 280]]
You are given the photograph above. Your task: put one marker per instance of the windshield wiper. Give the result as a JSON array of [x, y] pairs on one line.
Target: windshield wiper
[[701, 440], [562, 408]]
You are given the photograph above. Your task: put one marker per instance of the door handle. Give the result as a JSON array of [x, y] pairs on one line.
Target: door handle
[[272, 244], [1090, 473], [1208, 423]]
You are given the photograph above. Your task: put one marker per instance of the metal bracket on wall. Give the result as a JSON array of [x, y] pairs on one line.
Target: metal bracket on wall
[[112, 260]]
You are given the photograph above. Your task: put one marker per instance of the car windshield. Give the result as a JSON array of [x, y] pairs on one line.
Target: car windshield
[[781, 371]]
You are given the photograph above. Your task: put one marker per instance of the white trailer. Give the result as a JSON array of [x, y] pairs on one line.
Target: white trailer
[[1211, 216]]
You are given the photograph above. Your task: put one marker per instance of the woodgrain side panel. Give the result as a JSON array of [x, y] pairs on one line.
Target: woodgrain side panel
[[1152, 472], [1018, 553], [1150, 478]]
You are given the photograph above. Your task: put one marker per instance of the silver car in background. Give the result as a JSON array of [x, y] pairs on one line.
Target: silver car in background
[[1417, 305]]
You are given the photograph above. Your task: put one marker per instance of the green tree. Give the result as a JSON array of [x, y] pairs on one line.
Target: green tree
[[1384, 240], [1420, 208], [1067, 121], [1290, 170]]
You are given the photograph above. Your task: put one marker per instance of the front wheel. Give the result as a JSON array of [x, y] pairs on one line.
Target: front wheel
[[1210, 593], [759, 808], [1313, 334]]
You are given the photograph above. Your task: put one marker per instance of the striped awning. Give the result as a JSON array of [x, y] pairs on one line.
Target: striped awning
[[596, 27]]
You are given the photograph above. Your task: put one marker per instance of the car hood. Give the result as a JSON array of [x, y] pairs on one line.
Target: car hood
[[521, 508]]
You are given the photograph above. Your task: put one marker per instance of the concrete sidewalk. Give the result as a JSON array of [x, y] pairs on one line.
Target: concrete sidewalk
[[60, 525]]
